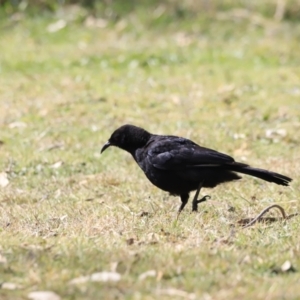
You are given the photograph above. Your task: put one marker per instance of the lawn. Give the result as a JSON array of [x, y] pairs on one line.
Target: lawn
[[229, 80]]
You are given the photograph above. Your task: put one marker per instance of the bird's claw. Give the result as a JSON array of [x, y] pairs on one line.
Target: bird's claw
[[206, 197], [196, 202]]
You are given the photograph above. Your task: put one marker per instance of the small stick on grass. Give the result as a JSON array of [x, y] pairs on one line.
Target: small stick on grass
[[264, 211]]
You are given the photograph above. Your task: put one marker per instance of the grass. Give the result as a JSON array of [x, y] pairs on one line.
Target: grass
[[222, 80]]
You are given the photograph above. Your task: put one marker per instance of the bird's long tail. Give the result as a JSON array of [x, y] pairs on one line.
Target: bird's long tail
[[261, 173]]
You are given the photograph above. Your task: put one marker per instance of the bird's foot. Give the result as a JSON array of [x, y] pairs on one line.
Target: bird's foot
[[196, 202]]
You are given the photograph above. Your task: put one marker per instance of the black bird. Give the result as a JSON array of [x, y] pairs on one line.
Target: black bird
[[179, 166]]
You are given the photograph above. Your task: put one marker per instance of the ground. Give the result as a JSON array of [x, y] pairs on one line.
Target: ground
[[229, 81]]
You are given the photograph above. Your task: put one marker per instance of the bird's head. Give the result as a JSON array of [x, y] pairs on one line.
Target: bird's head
[[128, 137]]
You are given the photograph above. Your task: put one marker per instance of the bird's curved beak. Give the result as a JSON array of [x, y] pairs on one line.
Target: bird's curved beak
[[105, 146]]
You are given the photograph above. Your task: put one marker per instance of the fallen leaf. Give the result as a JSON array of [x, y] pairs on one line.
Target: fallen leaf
[[94, 128], [3, 179], [237, 136], [43, 295], [177, 293], [57, 165], [175, 99], [97, 277], [114, 266], [3, 259], [275, 134], [246, 259], [59, 218], [57, 193], [150, 273], [130, 241], [9, 286], [152, 238], [144, 214], [17, 125], [182, 39], [95, 22], [287, 267], [56, 26], [226, 88], [80, 280], [32, 247], [231, 208], [106, 276]]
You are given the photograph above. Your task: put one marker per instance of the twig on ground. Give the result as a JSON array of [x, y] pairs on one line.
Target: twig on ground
[[259, 218]]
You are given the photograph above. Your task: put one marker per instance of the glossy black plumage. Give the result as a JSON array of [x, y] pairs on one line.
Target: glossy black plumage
[[179, 166]]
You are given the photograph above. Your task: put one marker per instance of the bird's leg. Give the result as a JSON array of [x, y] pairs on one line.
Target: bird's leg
[[184, 200], [196, 201]]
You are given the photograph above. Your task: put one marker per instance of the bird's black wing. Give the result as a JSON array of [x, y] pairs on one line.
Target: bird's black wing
[[174, 153]]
